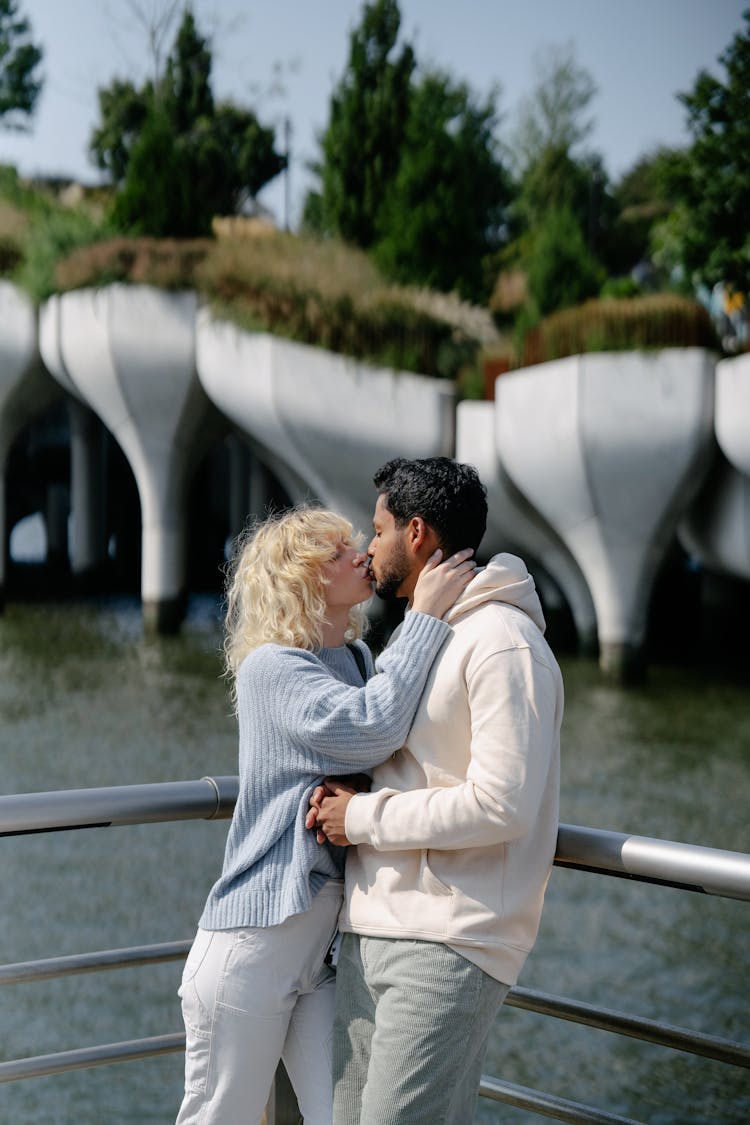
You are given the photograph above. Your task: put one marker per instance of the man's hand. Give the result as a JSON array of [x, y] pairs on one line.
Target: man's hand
[[328, 804], [311, 820]]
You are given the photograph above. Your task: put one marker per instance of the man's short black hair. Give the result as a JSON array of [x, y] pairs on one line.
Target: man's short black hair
[[448, 495]]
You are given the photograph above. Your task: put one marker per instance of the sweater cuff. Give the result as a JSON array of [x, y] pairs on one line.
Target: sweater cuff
[[425, 627], [358, 817]]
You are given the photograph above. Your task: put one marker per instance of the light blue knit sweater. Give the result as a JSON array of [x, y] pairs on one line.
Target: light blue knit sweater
[[302, 716]]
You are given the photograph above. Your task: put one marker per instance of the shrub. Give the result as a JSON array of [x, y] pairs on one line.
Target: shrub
[[658, 321], [620, 288], [165, 263], [315, 292], [50, 236]]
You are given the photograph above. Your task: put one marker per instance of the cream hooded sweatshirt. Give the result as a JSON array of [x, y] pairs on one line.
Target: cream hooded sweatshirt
[[457, 837]]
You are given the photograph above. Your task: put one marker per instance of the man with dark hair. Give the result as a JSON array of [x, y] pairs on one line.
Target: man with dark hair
[[447, 495], [456, 838]]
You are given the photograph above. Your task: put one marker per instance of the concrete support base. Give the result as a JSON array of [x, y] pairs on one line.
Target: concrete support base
[[163, 617], [622, 663]]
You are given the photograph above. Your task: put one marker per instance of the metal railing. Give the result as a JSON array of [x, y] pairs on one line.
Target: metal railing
[[686, 866]]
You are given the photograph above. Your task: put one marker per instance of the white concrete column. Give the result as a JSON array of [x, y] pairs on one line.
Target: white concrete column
[[130, 354], [56, 512], [733, 411], [240, 460], [610, 448], [513, 525], [25, 387], [87, 546], [323, 422], [716, 529]]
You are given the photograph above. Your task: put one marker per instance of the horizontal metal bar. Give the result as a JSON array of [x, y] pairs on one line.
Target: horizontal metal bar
[[24, 971], [650, 1031], [576, 1011], [83, 1057], [210, 798], [686, 866], [548, 1105], [39, 1066]]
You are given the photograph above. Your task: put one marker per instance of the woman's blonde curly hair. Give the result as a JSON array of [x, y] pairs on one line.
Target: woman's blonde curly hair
[[276, 589]]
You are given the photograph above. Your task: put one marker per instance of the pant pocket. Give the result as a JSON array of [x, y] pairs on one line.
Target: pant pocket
[[197, 992], [195, 958], [197, 1039]]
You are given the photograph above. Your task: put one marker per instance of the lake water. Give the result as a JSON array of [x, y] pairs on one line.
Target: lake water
[[85, 701]]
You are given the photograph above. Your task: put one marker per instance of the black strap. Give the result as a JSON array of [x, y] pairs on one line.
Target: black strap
[[357, 654]]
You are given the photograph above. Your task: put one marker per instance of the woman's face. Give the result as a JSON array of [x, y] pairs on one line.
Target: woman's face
[[348, 577]]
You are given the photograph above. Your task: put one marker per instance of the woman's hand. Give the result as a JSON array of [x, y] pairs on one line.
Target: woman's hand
[[332, 786], [440, 583]]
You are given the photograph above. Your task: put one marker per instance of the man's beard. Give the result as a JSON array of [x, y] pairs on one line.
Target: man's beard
[[386, 586]]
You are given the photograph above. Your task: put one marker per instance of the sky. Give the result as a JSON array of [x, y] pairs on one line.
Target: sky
[[283, 58]]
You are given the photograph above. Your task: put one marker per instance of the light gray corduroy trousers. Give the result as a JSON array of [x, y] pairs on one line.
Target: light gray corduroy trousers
[[410, 1032]]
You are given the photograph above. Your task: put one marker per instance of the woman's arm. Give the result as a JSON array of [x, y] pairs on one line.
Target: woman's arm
[[353, 728]]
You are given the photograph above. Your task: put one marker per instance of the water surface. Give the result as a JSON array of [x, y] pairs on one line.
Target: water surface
[[85, 701]]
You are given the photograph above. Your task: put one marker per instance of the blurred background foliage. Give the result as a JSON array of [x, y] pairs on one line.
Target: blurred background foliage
[[437, 234]]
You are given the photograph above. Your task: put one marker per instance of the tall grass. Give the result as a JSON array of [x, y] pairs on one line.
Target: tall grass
[[660, 320], [317, 292]]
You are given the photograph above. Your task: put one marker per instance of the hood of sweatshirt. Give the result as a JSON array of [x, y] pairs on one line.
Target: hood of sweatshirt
[[504, 579]]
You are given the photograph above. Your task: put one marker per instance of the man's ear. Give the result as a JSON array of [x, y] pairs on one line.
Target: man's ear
[[420, 536]]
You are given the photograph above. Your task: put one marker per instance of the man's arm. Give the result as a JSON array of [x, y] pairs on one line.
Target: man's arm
[[513, 700]]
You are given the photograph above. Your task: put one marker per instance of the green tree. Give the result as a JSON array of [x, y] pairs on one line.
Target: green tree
[[553, 170], [561, 270], [563, 210], [123, 110], [20, 80], [176, 157], [443, 212], [554, 115], [711, 227], [362, 144], [644, 197]]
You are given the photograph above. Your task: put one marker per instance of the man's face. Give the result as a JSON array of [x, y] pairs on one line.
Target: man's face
[[390, 563]]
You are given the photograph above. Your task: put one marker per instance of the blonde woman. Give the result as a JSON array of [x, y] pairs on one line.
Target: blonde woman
[[256, 987]]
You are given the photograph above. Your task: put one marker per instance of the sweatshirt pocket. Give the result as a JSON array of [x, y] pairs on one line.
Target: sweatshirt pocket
[[429, 882]]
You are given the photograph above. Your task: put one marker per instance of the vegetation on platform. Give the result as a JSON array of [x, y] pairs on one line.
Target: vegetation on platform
[[661, 320], [419, 207]]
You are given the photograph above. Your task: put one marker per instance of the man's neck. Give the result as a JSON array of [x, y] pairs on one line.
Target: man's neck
[[407, 588]]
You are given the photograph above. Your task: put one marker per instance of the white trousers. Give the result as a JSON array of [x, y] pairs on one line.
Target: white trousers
[[251, 997]]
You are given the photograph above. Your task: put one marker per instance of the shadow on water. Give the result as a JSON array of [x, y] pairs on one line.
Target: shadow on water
[[86, 700]]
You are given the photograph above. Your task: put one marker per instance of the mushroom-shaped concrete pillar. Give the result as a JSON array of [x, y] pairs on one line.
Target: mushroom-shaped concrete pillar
[[87, 547], [323, 422], [610, 448], [513, 525], [25, 387], [733, 411], [130, 353], [717, 528]]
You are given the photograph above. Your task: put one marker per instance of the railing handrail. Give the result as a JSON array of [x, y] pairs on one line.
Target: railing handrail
[[667, 862], [691, 867], [561, 1007]]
